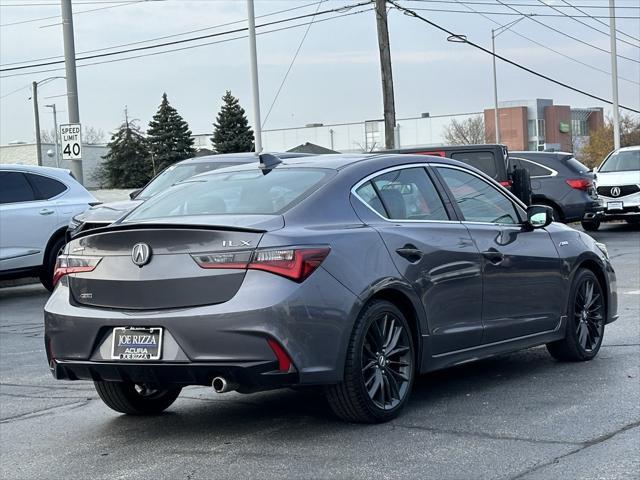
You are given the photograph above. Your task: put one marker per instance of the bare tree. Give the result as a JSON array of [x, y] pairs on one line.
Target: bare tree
[[467, 132]]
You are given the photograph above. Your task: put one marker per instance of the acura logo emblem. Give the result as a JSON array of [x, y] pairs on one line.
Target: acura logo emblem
[[615, 191], [141, 254]]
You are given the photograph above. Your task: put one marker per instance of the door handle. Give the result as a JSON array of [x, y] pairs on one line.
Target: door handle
[[46, 211], [411, 253], [494, 256]]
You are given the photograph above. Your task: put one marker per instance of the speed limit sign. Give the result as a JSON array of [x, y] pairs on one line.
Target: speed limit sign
[[71, 141]]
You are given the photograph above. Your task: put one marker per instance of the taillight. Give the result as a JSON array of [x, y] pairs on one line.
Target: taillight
[[506, 183], [293, 263], [284, 362], [67, 264], [579, 183]]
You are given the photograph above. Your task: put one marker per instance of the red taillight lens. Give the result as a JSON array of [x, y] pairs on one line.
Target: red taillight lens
[[67, 264], [506, 183], [579, 183], [293, 263], [284, 362]]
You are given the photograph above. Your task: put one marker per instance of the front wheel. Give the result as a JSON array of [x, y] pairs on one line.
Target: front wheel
[[134, 399], [590, 225], [585, 321], [379, 368]]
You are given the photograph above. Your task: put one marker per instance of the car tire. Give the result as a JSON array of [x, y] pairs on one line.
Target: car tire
[[132, 399], [522, 185], [590, 225], [49, 264], [380, 367], [586, 313]]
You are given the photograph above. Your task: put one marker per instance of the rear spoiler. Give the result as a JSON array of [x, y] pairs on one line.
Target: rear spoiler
[[117, 227]]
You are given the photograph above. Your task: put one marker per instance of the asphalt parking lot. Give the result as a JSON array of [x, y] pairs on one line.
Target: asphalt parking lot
[[516, 416]]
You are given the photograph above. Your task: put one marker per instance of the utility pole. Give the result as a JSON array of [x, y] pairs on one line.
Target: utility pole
[[614, 74], [387, 76], [255, 88], [36, 116], [495, 87], [72, 81]]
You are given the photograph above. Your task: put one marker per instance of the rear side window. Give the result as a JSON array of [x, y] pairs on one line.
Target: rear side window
[[483, 161], [406, 194], [46, 187], [15, 188], [534, 169], [245, 192]]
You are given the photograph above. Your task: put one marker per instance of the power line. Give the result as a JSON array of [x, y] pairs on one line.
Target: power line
[[190, 46], [576, 19], [295, 55], [601, 22], [575, 60], [469, 2], [75, 13], [186, 40], [517, 14], [164, 37], [411, 13], [566, 34]]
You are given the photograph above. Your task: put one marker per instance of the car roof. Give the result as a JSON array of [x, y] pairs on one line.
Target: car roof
[[51, 171], [243, 157]]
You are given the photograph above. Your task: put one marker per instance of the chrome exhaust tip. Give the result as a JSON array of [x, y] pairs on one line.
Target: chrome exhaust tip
[[221, 385]]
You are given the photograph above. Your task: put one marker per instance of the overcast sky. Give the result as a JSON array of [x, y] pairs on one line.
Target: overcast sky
[[336, 76]]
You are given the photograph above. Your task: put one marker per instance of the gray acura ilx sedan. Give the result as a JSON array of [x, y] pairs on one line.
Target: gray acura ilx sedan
[[355, 273]]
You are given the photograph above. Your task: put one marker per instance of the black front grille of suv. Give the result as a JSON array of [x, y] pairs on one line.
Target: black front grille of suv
[[624, 190]]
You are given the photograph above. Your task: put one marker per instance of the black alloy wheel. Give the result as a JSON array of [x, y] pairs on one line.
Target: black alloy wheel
[[379, 368], [586, 316]]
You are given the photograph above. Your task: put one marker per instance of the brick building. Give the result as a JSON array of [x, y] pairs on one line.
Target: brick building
[[540, 125]]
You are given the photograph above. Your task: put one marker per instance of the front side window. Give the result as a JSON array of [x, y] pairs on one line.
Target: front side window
[[248, 192], [483, 161], [15, 188], [478, 200], [405, 194], [46, 187]]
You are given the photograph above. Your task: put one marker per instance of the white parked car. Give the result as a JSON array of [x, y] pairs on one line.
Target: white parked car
[[36, 204], [618, 185]]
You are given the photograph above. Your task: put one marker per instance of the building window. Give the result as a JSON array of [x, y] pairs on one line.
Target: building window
[[579, 128], [540, 128], [531, 129]]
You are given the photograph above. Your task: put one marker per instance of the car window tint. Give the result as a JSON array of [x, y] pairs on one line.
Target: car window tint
[[483, 161], [46, 187], [577, 166], [248, 192], [478, 201], [368, 195], [408, 194], [14, 188], [534, 169]]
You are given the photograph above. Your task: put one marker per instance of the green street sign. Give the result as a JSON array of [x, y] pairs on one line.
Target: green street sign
[[565, 127]]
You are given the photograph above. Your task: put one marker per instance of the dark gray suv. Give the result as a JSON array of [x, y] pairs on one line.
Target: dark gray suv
[[356, 273]]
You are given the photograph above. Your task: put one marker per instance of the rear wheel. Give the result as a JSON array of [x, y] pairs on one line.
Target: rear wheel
[[585, 321], [49, 264], [590, 225], [135, 399], [379, 368]]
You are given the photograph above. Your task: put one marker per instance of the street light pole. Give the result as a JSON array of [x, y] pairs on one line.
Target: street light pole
[[36, 116], [495, 87], [55, 126], [255, 87], [72, 81], [614, 74]]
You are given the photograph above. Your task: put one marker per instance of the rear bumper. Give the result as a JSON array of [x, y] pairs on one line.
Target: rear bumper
[[311, 321], [251, 376]]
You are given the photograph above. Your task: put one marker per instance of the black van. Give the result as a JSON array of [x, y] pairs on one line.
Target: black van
[[492, 159]]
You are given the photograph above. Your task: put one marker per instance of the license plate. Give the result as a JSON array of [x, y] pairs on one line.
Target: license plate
[[133, 343], [614, 205]]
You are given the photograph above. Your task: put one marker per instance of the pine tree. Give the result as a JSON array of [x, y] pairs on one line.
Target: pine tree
[[231, 131], [127, 163], [169, 136]]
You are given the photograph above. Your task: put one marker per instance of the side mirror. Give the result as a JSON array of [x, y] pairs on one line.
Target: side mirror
[[135, 193], [539, 216]]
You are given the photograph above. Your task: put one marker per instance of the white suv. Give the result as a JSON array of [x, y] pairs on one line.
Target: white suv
[[618, 185], [36, 204]]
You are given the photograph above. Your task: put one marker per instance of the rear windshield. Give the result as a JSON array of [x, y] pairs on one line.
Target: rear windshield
[[244, 192], [177, 173], [483, 161], [622, 161], [577, 166]]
